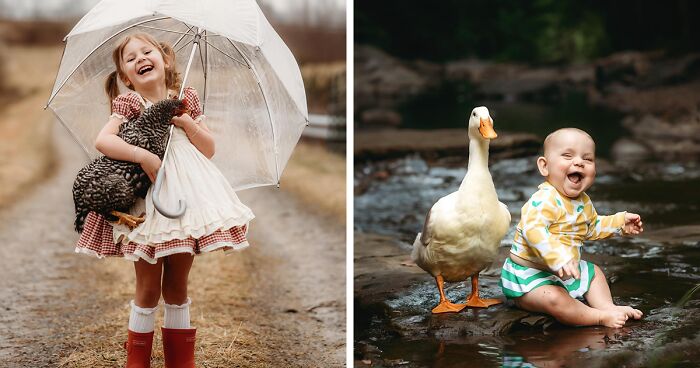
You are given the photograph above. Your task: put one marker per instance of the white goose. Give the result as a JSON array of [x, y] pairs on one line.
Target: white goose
[[463, 230]]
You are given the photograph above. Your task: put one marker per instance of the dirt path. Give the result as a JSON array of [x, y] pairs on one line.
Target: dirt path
[[280, 302]]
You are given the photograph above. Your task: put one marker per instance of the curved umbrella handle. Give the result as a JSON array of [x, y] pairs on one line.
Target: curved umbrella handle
[[181, 205]]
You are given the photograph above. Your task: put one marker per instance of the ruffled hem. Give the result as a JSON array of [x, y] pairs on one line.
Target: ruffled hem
[[96, 240], [227, 247], [119, 116], [206, 222]]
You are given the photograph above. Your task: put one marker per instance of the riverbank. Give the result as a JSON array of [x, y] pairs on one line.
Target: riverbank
[[654, 93], [436, 144]]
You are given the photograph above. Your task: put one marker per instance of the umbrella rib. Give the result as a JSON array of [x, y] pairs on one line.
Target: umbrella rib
[[95, 49], [184, 45], [163, 29], [201, 58], [205, 66], [230, 57], [189, 31], [72, 134], [267, 106]]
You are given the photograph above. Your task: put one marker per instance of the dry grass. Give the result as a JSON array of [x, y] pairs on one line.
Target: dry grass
[[25, 129], [223, 340], [317, 176], [314, 44], [325, 87], [34, 32]]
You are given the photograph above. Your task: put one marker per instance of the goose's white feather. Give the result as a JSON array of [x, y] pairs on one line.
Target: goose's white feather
[[463, 230]]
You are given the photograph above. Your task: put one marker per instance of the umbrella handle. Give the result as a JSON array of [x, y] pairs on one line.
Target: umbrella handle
[[181, 205]]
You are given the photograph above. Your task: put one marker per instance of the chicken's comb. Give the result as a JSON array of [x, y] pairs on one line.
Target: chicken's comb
[[182, 108]]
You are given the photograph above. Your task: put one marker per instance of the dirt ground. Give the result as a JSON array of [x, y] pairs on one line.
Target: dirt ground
[[279, 302]]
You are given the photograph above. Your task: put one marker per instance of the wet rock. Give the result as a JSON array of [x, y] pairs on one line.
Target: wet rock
[[479, 71], [384, 81], [400, 297], [668, 138], [671, 70], [627, 150], [529, 84], [644, 69], [689, 234], [476, 322], [623, 67]]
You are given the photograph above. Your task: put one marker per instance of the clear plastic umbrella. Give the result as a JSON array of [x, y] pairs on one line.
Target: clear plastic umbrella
[[248, 80]]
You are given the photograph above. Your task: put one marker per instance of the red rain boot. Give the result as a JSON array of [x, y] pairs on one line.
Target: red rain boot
[[178, 347], [138, 349]]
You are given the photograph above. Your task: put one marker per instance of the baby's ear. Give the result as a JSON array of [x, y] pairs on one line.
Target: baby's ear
[[542, 166]]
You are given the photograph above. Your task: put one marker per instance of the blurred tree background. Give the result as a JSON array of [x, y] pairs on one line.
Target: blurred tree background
[[539, 31]]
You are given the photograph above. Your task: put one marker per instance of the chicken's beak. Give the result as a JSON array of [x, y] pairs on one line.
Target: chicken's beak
[[486, 128]]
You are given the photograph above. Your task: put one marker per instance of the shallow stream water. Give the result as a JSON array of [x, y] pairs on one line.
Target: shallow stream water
[[650, 272]]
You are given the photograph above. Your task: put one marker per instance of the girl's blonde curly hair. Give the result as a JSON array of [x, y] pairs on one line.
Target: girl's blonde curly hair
[[172, 77]]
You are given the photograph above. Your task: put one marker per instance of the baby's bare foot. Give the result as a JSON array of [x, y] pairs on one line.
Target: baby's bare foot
[[612, 318]]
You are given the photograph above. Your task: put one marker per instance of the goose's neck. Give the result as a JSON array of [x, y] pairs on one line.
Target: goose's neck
[[478, 161], [478, 154]]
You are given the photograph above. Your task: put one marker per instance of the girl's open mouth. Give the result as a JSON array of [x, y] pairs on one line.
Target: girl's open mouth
[[145, 69], [575, 177]]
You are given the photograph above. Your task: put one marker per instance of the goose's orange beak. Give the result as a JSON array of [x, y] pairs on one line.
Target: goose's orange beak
[[486, 128]]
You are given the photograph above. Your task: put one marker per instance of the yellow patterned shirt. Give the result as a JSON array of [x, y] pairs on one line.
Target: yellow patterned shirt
[[552, 227]]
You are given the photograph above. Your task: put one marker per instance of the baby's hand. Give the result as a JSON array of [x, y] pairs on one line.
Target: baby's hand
[[569, 270], [633, 224]]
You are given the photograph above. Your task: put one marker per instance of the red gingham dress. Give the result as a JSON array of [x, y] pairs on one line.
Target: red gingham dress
[[97, 237]]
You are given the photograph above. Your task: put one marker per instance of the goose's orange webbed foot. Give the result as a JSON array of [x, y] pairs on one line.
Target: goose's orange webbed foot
[[474, 301], [445, 305], [448, 307]]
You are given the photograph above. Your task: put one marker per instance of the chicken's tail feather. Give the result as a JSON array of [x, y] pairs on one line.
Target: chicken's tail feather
[[111, 192], [80, 221]]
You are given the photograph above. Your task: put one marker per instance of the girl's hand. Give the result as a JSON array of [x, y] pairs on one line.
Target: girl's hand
[[184, 121], [150, 163], [569, 270], [633, 224]]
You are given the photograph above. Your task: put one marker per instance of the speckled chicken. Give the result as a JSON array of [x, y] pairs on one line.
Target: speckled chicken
[[110, 187]]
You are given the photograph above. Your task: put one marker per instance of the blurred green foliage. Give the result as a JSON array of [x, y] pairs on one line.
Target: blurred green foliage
[[537, 31]]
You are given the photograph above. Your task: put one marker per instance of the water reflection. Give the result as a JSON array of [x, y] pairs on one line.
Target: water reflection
[[563, 347]]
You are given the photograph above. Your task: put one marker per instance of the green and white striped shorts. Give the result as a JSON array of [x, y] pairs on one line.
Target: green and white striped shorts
[[517, 280]]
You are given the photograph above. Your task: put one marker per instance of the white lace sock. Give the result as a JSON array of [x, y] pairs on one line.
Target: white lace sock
[[177, 316], [142, 319]]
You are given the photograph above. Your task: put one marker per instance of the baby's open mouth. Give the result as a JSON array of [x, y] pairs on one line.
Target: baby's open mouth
[[575, 177], [145, 69]]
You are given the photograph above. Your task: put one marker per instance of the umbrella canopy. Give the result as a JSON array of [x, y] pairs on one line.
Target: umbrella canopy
[[249, 82]]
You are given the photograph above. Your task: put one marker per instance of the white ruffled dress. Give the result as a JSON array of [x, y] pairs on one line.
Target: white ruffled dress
[[214, 218]]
